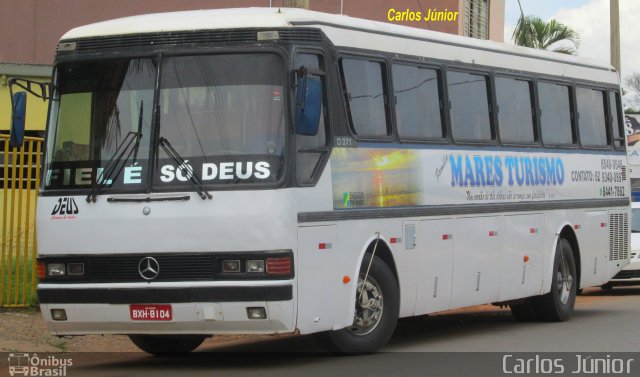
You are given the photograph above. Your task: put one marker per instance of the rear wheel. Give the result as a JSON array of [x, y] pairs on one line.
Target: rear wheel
[[558, 304], [167, 345], [376, 311]]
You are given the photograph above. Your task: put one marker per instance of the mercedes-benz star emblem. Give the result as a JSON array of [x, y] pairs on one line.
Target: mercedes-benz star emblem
[[148, 268]]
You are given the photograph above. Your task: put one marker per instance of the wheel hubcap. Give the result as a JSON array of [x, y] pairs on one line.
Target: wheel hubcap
[[564, 280], [369, 307]]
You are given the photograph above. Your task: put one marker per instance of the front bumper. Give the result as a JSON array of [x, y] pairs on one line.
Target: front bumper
[[203, 308]]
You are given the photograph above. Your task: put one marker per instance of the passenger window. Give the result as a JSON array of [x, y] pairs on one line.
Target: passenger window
[[363, 86], [469, 106], [616, 124], [311, 149], [555, 114], [592, 122], [418, 102], [515, 115]]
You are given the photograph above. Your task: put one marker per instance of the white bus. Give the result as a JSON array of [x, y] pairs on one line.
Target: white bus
[[267, 171]]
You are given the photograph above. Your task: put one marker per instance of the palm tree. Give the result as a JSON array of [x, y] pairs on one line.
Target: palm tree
[[532, 31]]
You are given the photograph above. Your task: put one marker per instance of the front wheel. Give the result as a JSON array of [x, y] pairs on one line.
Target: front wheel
[[167, 345], [376, 311], [558, 305]]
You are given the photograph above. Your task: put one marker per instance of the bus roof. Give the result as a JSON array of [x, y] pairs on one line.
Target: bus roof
[[235, 18]]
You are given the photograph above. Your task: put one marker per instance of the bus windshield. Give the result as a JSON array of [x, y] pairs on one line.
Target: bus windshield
[[223, 114], [95, 107]]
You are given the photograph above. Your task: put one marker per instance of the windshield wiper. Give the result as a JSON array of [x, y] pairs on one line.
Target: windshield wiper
[[193, 178], [135, 150], [105, 176]]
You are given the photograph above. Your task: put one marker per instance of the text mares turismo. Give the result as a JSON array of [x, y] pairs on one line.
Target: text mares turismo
[[492, 170]]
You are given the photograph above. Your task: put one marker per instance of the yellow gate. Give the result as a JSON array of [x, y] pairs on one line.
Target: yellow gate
[[20, 177]]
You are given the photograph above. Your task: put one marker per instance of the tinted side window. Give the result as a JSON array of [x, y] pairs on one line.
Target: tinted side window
[[311, 149], [591, 119], [363, 82], [469, 106], [616, 124], [515, 116], [417, 97], [555, 113], [312, 61]]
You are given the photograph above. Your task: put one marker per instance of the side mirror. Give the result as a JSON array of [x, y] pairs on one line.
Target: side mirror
[[18, 114], [308, 105]]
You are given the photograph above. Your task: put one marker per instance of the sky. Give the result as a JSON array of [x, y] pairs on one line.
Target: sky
[[590, 18]]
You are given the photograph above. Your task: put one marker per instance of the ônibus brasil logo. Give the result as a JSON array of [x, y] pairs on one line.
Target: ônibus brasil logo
[[66, 208], [23, 364]]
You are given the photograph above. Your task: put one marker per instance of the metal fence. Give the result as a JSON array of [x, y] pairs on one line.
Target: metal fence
[[20, 179]]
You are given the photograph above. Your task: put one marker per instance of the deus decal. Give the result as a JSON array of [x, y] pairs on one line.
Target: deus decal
[[65, 206]]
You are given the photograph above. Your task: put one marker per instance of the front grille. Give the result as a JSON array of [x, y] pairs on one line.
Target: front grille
[[201, 37], [172, 267], [123, 268], [630, 274], [618, 236]]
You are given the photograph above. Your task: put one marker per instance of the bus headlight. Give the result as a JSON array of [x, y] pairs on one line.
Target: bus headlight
[[257, 313], [75, 269], [255, 265], [231, 266], [58, 314], [62, 269], [55, 269]]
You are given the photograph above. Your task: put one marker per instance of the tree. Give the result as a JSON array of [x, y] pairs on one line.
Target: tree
[[633, 84], [533, 32]]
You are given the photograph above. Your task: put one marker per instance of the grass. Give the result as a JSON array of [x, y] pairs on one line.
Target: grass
[[19, 271], [59, 343], [23, 310], [17, 230]]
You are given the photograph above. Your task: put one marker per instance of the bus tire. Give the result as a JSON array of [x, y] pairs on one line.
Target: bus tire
[[376, 314], [167, 345], [558, 304], [524, 312]]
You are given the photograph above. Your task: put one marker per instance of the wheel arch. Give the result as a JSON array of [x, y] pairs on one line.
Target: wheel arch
[[569, 234], [383, 251]]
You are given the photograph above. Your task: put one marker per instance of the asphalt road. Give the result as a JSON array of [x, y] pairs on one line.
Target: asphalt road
[[471, 341]]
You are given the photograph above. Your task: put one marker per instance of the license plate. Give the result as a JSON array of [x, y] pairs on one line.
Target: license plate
[[150, 312]]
